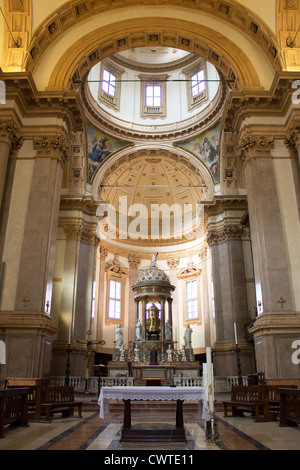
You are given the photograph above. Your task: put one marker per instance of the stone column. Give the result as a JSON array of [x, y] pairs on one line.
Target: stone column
[[170, 311], [272, 184], [173, 266], [10, 139], [271, 267], [224, 240], [144, 305], [100, 310], [134, 263], [38, 249], [84, 280], [163, 318], [31, 234]]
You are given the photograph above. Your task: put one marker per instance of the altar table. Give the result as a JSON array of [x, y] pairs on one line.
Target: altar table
[[153, 432]]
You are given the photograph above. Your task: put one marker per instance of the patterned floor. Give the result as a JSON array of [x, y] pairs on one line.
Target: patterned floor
[[93, 433]]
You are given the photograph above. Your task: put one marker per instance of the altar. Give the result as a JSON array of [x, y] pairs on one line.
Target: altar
[[154, 433], [153, 355]]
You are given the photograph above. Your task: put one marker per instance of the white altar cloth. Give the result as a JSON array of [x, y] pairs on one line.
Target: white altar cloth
[[153, 394]]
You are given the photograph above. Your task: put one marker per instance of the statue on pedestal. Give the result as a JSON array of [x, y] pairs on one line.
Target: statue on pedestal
[[138, 331], [168, 331], [188, 337], [119, 337]]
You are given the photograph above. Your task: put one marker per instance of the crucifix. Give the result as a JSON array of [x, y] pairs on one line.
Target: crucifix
[[281, 301], [88, 356], [26, 301]]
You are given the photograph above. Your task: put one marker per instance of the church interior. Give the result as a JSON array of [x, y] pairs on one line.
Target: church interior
[[149, 205]]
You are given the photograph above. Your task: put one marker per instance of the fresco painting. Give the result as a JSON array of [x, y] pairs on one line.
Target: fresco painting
[[100, 146], [206, 147]]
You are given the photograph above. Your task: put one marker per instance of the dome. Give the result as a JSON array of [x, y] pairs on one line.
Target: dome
[[153, 275]]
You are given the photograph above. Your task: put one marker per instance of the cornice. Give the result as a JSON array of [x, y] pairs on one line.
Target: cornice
[[177, 131], [157, 68], [21, 89], [273, 103]]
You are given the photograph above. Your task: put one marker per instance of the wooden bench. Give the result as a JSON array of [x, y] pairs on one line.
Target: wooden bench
[[289, 413], [13, 408], [56, 399], [274, 396], [252, 398]]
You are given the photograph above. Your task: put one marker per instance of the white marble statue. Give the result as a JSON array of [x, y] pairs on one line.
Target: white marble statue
[[138, 331], [169, 354], [119, 337], [168, 331], [188, 337]]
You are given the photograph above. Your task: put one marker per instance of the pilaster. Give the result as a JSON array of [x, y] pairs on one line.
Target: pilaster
[[224, 238]]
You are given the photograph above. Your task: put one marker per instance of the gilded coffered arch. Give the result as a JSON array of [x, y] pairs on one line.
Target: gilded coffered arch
[[253, 46]]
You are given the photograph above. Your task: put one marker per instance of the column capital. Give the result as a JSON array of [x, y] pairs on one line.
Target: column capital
[[292, 138], [255, 146], [52, 147], [73, 231], [103, 252], [10, 134], [134, 261], [224, 234]]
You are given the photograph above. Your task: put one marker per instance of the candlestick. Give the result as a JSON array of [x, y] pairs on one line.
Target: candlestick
[[70, 327], [235, 335], [210, 379]]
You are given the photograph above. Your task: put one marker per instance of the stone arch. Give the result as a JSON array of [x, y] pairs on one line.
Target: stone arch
[[227, 54]]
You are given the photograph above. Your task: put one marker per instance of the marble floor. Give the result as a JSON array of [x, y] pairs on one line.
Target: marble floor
[[92, 433]]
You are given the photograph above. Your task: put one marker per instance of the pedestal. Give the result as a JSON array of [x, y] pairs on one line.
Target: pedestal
[[153, 432]]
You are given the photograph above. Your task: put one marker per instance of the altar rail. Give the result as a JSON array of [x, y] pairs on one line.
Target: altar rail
[[79, 383]]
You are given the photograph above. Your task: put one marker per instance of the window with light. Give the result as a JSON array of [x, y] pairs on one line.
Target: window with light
[[153, 95], [109, 83], [198, 83], [114, 302], [191, 299]]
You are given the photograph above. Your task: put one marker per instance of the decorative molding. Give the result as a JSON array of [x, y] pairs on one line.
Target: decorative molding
[[71, 13], [53, 148], [10, 134], [73, 231], [224, 234], [190, 271], [134, 261], [103, 252], [173, 263], [261, 145], [292, 138]]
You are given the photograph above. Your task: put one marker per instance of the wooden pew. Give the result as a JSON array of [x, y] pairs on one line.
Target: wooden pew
[[56, 399], [289, 414], [252, 398], [274, 396], [13, 408]]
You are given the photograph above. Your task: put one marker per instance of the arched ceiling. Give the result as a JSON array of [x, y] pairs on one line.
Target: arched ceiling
[[228, 33], [147, 180]]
